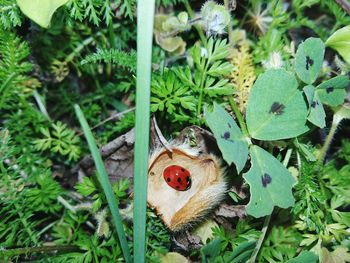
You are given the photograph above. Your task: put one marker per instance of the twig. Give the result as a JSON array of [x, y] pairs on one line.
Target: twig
[[43, 249], [114, 116], [109, 148]]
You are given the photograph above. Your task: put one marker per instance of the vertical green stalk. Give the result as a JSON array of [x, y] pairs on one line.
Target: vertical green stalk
[[327, 143], [145, 14], [261, 239], [104, 181], [239, 116]]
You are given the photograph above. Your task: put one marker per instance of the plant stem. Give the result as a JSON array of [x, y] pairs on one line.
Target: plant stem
[[261, 239], [198, 28], [29, 250], [201, 89], [239, 116], [327, 143], [287, 157]]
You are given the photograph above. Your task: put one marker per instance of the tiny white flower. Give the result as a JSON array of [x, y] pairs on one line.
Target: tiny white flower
[[275, 61], [204, 52]]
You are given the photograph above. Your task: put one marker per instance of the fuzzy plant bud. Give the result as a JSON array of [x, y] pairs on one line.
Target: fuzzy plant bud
[[274, 61], [215, 18]]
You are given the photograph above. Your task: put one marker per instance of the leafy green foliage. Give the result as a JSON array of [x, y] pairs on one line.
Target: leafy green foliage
[[308, 60], [20, 206], [114, 56], [276, 112], [14, 81], [232, 143], [95, 11], [60, 140], [173, 97], [280, 245], [10, 15], [86, 56], [270, 183]]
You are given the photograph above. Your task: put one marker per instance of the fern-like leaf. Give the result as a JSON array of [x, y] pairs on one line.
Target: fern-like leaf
[[114, 56]]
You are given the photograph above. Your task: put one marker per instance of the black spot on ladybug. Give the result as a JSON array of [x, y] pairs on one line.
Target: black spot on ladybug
[[329, 89], [229, 125], [277, 108], [266, 179], [314, 104], [177, 187], [309, 62], [168, 179], [179, 180], [226, 135], [187, 178], [182, 169]]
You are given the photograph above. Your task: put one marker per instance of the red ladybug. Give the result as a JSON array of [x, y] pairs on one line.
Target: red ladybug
[[177, 177]]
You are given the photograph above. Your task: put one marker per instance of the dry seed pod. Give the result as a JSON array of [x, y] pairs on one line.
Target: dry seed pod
[[179, 206]]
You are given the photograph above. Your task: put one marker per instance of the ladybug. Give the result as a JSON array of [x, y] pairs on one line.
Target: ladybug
[[177, 177]]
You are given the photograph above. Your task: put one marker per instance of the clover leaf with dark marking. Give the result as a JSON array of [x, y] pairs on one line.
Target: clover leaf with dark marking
[[231, 141], [309, 59], [270, 183]]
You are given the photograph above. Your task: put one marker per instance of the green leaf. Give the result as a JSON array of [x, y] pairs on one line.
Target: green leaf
[[240, 249], [317, 114], [231, 141], [145, 18], [276, 108], [332, 92], [304, 257], [211, 250], [40, 11], [105, 183], [173, 257], [309, 59], [270, 183], [340, 41]]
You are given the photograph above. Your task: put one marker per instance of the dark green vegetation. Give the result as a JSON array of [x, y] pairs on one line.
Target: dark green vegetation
[[268, 78]]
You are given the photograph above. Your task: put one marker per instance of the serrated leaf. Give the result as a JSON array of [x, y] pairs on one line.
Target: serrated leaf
[[40, 11], [309, 59], [317, 115], [304, 257], [270, 183], [276, 108], [340, 41], [205, 230], [332, 92], [231, 141]]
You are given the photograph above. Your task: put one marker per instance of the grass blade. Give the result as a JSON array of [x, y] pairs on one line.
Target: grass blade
[[104, 181], [145, 14]]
